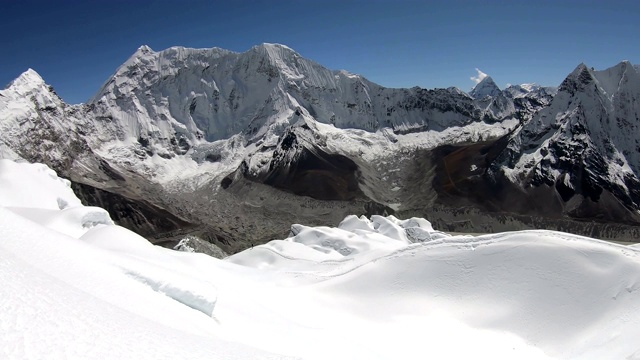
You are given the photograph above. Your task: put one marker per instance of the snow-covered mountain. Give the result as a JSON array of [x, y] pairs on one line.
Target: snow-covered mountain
[[233, 146], [35, 124], [179, 96], [575, 158], [38, 124], [584, 145], [486, 87], [74, 285]]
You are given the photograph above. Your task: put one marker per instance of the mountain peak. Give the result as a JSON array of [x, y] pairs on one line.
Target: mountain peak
[[29, 79], [276, 45], [144, 49], [623, 66], [275, 51], [577, 80], [486, 87], [31, 76], [582, 68]]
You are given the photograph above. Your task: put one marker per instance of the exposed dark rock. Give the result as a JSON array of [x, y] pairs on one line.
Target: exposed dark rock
[[137, 215], [213, 157], [226, 182], [314, 173], [109, 171]]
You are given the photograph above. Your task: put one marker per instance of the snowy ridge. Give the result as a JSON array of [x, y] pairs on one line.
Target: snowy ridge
[[524, 90], [376, 287], [34, 192], [212, 94]]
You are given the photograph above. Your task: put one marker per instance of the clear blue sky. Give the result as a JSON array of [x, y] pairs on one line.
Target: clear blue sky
[[77, 45]]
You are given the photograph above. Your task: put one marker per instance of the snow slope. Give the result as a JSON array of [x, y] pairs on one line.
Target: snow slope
[[517, 294], [102, 295], [378, 288]]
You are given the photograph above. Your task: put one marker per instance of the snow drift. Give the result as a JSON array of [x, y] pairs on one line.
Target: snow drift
[[371, 288]]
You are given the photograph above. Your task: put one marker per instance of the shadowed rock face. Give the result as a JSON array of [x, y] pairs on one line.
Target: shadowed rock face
[[318, 175], [302, 168], [140, 216]]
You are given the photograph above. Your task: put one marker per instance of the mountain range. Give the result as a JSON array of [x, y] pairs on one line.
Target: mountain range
[[234, 147]]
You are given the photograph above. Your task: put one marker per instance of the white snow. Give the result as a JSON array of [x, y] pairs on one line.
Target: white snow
[[378, 288], [42, 188]]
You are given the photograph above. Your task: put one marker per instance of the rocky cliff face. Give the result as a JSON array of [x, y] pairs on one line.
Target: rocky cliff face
[[583, 146], [236, 146]]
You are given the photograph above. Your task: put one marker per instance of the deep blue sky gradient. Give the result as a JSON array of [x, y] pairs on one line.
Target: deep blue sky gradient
[[76, 45]]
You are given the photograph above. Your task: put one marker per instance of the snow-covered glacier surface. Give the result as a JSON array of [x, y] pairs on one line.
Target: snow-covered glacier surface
[[76, 286]]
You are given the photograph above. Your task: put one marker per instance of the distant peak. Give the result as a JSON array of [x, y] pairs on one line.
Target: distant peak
[[144, 49], [31, 75], [275, 45], [274, 50], [456, 90], [29, 78], [348, 74], [580, 68], [487, 79], [486, 87], [624, 65]]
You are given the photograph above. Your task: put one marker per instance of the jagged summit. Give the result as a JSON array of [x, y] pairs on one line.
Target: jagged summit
[[577, 79], [486, 87]]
